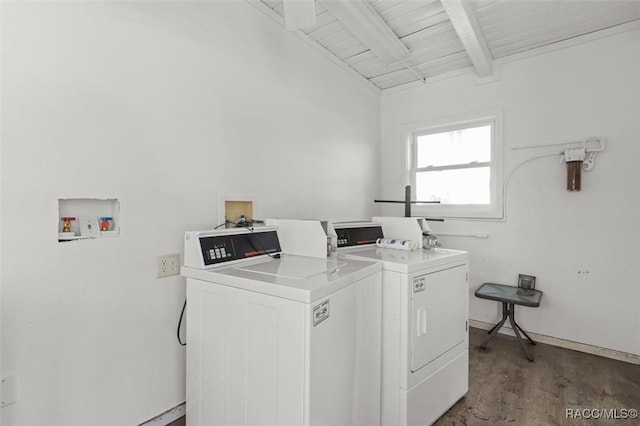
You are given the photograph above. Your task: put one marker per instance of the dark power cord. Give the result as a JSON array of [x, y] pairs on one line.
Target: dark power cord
[[259, 244], [180, 324], [259, 247]]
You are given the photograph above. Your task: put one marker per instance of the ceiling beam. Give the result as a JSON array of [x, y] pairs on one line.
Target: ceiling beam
[[466, 24], [363, 21]]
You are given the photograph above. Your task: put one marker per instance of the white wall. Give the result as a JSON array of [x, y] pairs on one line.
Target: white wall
[[583, 247], [164, 106]]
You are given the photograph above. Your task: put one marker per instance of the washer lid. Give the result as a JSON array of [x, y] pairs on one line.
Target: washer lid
[[299, 278], [296, 268]]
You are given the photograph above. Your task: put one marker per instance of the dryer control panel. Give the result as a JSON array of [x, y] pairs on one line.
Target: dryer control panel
[[357, 235]]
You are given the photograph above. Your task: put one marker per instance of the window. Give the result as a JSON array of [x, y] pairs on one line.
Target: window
[[459, 164]]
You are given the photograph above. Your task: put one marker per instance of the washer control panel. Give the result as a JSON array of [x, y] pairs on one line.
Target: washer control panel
[[225, 248]]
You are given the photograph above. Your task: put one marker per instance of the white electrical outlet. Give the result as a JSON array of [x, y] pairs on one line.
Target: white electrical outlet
[[168, 264]]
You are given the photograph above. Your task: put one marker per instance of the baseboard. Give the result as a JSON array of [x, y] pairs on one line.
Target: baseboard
[[167, 417], [567, 344]]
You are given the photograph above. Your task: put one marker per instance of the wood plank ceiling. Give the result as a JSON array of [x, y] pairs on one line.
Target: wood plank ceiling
[[447, 35]]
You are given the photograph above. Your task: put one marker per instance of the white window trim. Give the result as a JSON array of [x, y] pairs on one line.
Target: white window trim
[[492, 211]]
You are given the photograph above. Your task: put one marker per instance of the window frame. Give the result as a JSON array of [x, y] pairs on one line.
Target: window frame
[[493, 210]]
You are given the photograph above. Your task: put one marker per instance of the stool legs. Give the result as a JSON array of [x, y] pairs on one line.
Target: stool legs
[[523, 332], [508, 312], [497, 327], [515, 328], [500, 323]]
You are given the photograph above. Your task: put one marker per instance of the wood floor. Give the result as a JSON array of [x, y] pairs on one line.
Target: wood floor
[[506, 389], [182, 421]]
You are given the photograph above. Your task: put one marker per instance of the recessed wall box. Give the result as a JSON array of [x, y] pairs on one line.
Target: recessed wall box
[[234, 210], [81, 218]]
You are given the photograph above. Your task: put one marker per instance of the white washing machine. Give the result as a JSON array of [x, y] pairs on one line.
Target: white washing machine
[[276, 339], [425, 312]]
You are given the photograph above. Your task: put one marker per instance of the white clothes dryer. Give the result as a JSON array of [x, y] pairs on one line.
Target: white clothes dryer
[[425, 312], [276, 339]]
